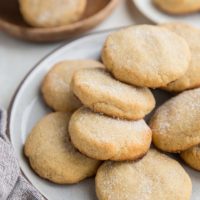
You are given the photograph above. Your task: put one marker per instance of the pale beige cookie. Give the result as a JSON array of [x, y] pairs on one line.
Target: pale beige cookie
[[51, 154], [99, 91], [146, 55], [191, 78], [192, 157], [56, 85], [178, 6], [154, 177], [175, 125], [51, 13], [105, 138]]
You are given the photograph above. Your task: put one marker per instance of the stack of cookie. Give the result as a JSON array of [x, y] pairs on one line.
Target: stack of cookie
[[49, 149], [101, 129], [100, 110]]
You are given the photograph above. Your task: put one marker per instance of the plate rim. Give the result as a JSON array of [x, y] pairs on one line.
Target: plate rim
[[26, 76], [19, 86]]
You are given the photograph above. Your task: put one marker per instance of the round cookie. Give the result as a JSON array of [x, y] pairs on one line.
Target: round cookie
[[146, 55], [51, 154], [191, 78], [56, 85], [175, 125], [99, 91], [104, 138], [155, 176], [51, 13], [192, 157], [178, 6]]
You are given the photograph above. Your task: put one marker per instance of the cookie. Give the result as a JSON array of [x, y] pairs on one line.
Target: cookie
[[56, 85], [155, 176], [51, 154], [104, 138], [175, 124], [146, 55], [178, 7], [99, 91], [51, 13], [191, 78], [192, 157]]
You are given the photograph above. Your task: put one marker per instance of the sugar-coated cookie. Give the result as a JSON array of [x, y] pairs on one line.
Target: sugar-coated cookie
[[99, 91], [51, 154], [154, 177], [41, 13], [175, 124], [104, 138], [191, 78], [146, 55], [56, 85], [192, 157], [178, 6]]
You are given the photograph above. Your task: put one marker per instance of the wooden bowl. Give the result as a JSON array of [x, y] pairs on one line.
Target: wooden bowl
[[12, 22]]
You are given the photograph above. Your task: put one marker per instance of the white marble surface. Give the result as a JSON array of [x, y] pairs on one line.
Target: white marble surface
[[18, 57]]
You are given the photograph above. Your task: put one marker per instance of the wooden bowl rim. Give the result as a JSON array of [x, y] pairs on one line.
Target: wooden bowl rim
[[10, 27]]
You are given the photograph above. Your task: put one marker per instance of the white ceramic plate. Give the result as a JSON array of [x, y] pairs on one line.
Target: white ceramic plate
[[154, 14], [27, 108]]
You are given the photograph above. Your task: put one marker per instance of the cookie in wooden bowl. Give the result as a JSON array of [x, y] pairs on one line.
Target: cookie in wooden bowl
[[12, 22], [51, 13]]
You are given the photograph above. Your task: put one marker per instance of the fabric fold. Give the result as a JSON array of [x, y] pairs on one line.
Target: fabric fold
[[13, 186]]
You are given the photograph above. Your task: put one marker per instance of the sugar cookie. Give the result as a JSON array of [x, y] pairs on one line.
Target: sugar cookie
[[178, 6], [105, 138], [98, 90], [175, 125], [56, 85], [52, 12], [155, 176], [191, 78], [146, 55], [192, 157], [52, 155]]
